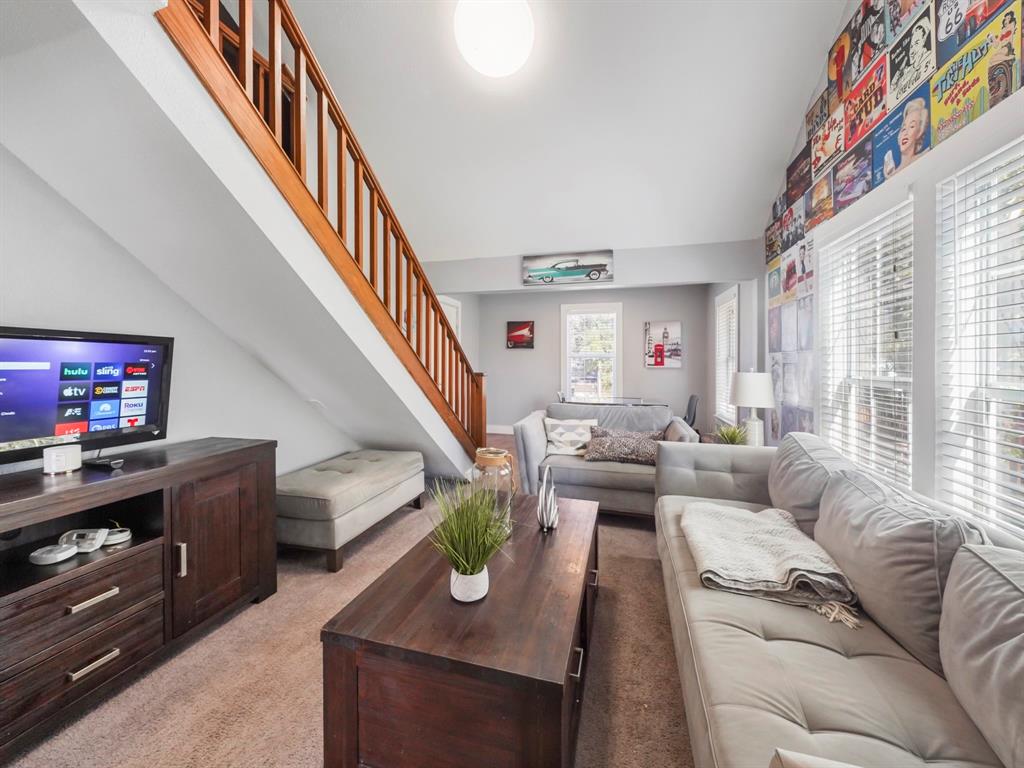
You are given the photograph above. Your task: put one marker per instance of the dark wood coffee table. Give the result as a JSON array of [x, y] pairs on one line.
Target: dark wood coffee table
[[414, 679]]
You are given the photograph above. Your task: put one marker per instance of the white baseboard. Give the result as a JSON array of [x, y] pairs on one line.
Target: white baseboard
[[499, 429]]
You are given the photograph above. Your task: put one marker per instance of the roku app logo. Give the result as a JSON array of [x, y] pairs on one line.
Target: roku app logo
[[133, 407], [73, 392], [106, 372], [71, 371]]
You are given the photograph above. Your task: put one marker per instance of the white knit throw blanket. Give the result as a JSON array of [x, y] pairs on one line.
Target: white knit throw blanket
[[765, 554]]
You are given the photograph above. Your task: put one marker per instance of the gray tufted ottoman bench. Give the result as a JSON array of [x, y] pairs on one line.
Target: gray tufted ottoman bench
[[329, 504]]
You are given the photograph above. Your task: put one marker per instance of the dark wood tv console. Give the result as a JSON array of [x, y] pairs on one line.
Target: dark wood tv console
[[202, 517]]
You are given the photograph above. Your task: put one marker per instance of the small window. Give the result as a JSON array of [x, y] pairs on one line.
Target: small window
[[727, 352], [592, 351]]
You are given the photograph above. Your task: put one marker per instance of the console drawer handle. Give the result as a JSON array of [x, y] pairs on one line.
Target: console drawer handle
[[93, 600], [579, 667], [182, 559], [596, 576], [110, 655]]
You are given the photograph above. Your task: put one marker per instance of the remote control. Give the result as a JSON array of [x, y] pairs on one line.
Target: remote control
[[108, 464]]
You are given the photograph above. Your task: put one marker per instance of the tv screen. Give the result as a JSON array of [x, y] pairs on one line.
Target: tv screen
[[95, 389]]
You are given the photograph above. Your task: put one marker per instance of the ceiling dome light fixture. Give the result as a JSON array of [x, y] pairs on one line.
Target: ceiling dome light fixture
[[494, 36]]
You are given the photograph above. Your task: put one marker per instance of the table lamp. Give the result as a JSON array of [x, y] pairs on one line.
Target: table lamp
[[753, 390]]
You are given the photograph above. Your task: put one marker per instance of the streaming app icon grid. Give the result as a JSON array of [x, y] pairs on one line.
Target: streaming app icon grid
[[116, 398]]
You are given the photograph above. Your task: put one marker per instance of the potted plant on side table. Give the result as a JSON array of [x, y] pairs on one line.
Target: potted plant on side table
[[470, 530]]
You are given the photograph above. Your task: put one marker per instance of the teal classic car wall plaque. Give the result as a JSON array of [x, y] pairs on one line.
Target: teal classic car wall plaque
[[582, 267]]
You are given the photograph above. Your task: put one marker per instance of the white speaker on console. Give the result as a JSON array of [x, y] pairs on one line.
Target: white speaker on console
[[61, 459]]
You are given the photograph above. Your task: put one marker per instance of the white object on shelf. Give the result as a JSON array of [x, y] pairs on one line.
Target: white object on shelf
[[54, 553], [117, 536], [753, 390], [85, 539], [61, 459]]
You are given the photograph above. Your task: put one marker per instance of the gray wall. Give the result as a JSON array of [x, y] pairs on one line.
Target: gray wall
[[59, 270], [523, 380]]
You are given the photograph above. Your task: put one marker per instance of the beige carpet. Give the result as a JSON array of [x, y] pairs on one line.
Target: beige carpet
[[248, 693]]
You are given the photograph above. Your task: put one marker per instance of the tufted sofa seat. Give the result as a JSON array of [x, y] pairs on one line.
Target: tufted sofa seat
[[328, 504], [759, 676]]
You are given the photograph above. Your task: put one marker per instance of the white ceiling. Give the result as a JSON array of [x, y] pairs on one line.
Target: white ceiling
[[631, 125]]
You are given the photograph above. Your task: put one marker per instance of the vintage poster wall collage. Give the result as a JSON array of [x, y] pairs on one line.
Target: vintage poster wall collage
[[903, 76]]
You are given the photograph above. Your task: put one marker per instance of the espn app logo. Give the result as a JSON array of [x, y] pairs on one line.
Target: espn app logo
[[72, 412], [106, 391], [102, 426], [133, 407], [136, 370], [103, 409], [107, 372], [131, 421], [73, 392], [135, 389], [73, 371], [71, 428]]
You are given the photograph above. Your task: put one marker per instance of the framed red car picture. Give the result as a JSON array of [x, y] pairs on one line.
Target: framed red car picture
[[519, 334]]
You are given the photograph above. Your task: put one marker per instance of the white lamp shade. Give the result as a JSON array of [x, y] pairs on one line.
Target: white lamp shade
[[752, 389]]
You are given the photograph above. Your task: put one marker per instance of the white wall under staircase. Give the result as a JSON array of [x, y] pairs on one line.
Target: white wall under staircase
[[111, 117]]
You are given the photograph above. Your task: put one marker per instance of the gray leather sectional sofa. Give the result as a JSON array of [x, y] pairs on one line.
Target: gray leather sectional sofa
[[619, 487], [934, 677]]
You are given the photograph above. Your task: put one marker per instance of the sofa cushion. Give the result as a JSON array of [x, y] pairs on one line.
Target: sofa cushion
[[334, 487], [676, 505], [768, 676], [981, 641], [800, 469], [636, 418], [896, 552], [714, 471], [574, 470], [623, 445], [568, 437]]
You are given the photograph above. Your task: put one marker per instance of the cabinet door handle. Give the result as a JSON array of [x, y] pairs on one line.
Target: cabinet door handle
[[579, 667], [596, 575], [93, 600], [182, 548], [110, 655]]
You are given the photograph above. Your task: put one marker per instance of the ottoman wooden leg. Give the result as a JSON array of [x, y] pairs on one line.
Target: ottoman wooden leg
[[417, 503], [334, 560]]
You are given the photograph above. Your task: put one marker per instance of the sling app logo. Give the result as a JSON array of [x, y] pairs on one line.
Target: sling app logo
[[107, 372], [136, 370], [73, 392], [102, 426], [71, 428], [72, 412], [106, 391], [133, 407], [103, 409], [135, 389], [131, 421], [72, 371]]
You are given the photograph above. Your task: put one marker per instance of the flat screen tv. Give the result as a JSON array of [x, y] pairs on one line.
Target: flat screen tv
[[96, 389]]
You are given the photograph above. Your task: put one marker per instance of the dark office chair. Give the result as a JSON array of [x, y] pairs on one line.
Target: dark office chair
[[691, 410]]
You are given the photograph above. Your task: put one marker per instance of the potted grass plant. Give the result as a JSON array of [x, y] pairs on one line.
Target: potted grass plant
[[470, 530], [731, 435]]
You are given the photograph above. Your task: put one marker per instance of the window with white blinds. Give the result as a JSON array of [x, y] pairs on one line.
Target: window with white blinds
[[980, 386], [727, 352], [592, 351], [866, 303]]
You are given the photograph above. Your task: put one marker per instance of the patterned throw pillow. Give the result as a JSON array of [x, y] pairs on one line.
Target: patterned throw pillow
[[623, 445], [568, 437]]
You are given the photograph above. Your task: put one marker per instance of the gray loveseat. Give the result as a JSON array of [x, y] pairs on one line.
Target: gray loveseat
[[619, 487], [934, 677]]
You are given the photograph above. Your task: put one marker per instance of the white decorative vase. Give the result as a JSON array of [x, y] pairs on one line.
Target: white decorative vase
[[469, 589]]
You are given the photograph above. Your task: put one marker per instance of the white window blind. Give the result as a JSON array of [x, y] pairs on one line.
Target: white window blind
[[727, 353], [980, 387], [592, 349], [866, 286]]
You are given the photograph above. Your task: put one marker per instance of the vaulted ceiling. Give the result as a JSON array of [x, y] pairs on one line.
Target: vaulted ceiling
[[633, 124]]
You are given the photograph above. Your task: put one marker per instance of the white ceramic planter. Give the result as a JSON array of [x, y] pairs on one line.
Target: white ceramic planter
[[469, 589]]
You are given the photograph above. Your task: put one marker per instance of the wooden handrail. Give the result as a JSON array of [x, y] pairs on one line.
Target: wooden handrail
[[260, 97]]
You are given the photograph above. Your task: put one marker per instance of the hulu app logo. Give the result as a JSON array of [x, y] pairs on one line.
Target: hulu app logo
[[73, 371]]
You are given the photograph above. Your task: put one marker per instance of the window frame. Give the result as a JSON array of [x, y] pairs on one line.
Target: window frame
[[613, 307], [730, 296]]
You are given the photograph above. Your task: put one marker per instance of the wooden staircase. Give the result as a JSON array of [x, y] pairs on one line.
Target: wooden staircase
[[273, 106]]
